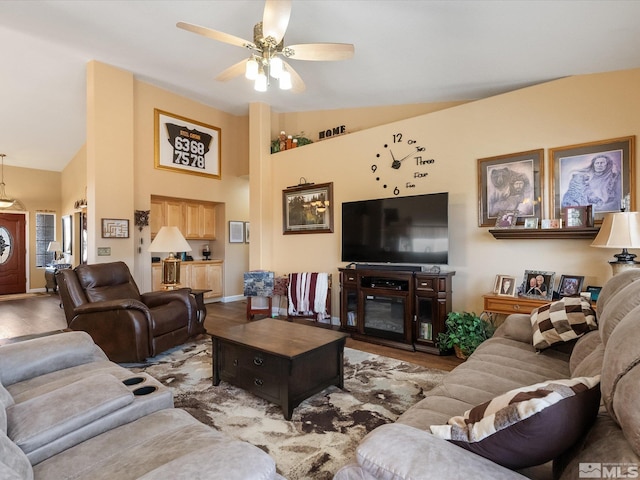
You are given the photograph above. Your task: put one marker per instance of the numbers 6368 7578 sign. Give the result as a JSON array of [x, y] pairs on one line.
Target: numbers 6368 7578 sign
[[187, 146]]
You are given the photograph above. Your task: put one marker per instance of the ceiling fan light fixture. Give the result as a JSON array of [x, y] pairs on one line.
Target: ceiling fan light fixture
[[285, 80], [275, 67], [251, 69], [261, 82]]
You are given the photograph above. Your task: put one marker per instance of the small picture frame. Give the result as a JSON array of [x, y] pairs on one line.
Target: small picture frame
[[496, 284], [506, 286], [570, 285], [577, 217], [236, 232], [594, 291], [531, 223], [538, 284], [507, 219], [115, 228], [552, 223]]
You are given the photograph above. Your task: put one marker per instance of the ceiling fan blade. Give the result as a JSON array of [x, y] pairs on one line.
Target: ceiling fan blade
[[322, 51], [233, 71], [297, 84], [275, 18], [216, 35]]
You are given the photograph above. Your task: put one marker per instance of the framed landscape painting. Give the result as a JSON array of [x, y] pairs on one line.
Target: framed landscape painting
[[308, 209]]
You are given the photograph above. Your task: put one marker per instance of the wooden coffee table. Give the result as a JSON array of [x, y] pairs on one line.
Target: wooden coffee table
[[280, 361]]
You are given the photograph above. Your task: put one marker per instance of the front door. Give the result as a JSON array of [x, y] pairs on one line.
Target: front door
[[13, 278]]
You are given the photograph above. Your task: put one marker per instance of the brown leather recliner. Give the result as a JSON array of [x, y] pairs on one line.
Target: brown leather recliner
[[104, 301]]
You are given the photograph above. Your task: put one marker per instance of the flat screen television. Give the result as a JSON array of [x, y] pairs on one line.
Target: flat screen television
[[399, 230]]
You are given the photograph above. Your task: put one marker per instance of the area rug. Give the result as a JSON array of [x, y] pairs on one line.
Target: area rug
[[324, 430]]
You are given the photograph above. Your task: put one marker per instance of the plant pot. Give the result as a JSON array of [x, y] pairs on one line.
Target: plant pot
[[459, 353]]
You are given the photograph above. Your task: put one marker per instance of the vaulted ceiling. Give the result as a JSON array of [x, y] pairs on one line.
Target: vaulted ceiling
[[406, 51]]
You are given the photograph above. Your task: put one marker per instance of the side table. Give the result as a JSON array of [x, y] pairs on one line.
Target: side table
[[202, 309], [50, 275]]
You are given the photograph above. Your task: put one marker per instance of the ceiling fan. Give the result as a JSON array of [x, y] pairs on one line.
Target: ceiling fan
[[267, 49]]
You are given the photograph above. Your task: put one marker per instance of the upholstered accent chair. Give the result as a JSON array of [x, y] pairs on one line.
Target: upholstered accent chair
[[104, 301]]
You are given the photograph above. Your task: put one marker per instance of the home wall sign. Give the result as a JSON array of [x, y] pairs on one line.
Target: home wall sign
[[186, 146], [332, 132]]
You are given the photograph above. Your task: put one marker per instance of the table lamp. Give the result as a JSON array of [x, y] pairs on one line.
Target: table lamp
[[169, 239], [620, 230], [54, 247]]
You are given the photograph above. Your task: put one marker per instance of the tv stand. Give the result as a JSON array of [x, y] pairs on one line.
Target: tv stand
[[398, 308]]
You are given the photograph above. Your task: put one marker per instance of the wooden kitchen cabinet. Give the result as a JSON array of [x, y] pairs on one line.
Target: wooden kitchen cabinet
[[195, 220]]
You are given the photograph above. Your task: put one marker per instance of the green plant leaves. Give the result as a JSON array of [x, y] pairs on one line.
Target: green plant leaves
[[466, 330]]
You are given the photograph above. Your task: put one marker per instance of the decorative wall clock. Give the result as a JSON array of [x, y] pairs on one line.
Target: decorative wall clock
[[400, 164]]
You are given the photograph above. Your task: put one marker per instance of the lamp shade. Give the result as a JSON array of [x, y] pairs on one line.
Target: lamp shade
[[619, 230], [169, 239], [54, 247]]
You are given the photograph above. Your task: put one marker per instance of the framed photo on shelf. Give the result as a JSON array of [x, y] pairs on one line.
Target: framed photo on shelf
[[531, 222], [507, 286], [507, 219], [186, 146], [552, 223], [115, 228], [236, 232], [594, 291], [538, 284], [577, 217], [308, 209], [570, 285], [600, 173], [510, 182]]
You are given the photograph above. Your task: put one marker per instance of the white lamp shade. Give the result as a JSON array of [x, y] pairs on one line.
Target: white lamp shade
[[54, 247], [275, 67], [251, 69], [169, 239], [619, 230], [261, 83]]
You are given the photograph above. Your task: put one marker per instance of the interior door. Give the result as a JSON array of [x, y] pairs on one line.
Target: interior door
[[13, 277]]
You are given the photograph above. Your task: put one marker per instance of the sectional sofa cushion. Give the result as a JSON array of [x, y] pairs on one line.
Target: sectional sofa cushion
[[529, 425], [562, 321], [14, 464]]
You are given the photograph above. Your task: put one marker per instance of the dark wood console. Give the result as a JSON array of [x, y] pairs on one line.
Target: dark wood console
[[402, 309]]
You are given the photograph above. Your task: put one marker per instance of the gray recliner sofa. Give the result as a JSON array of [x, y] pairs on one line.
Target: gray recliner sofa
[[67, 412], [608, 448]]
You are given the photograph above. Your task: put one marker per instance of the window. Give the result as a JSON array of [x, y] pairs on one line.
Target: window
[[45, 233]]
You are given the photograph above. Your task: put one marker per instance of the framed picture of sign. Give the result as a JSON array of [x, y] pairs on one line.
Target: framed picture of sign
[[186, 146]]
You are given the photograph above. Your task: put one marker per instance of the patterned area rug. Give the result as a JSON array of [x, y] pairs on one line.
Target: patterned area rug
[[324, 430]]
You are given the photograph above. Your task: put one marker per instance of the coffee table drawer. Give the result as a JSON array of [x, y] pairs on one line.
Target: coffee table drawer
[[259, 383], [235, 356]]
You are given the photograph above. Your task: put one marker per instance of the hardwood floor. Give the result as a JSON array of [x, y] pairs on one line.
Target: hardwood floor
[[42, 314]]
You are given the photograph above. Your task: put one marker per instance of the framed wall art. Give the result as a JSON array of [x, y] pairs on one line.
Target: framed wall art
[[236, 232], [538, 284], [186, 146], [601, 174], [308, 209], [510, 182], [115, 228], [570, 285], [577, 217], [67, 239]]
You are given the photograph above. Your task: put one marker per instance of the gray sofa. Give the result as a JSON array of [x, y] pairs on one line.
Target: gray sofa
[[608, 448], [66, 412]]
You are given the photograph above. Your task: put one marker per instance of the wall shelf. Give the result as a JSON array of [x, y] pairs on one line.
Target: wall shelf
[[547, 233]]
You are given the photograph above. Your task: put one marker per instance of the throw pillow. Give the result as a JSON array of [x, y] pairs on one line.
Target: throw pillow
[[562, 321], [529, 425]]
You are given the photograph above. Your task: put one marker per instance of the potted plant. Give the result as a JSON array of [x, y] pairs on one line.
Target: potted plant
[[465, 331]]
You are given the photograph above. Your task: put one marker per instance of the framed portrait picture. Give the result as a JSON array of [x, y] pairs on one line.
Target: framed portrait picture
[[507, 219], [531, 222], [66, 234], [186, 146], [510, 182], [507, 286], [236, 232], [570, 285], [552, 223], [538, 284], [308, 209], [577, 217], [601, 174], [115, 228]]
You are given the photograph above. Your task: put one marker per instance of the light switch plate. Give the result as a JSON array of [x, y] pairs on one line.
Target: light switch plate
[[104, 251]]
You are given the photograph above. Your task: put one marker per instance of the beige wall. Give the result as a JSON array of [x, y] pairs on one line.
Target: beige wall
[[564, 112]]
